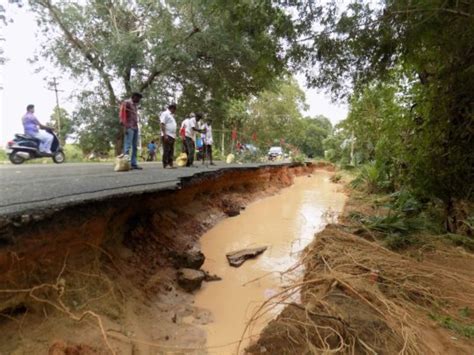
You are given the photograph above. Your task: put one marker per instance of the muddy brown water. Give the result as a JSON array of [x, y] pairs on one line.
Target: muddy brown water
[[286, 223]]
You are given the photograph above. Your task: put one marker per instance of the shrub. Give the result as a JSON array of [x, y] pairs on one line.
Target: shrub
[[372, 178]]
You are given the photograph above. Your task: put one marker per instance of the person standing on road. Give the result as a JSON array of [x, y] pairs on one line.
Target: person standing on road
[[32, 128], [208, 141], [168, 134], [182, 134], [151, 151], [191, 127], [129, 120]]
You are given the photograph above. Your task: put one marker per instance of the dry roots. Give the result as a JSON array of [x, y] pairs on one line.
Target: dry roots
[[358, 297]]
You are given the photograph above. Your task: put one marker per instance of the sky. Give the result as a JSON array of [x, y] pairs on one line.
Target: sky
[[22, 85]]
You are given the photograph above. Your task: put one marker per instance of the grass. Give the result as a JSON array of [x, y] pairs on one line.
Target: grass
[[336, 178], [3, 155], [460, 240], [466, 330]]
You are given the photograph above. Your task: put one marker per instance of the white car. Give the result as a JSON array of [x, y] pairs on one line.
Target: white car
[[275, 153]]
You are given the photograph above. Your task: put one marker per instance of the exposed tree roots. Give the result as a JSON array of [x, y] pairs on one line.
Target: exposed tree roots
[[358, 297]]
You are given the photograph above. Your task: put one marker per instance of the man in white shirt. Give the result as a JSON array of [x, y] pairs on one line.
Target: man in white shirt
[[207, 141], [168, 134], [191, 127], [182, 134]]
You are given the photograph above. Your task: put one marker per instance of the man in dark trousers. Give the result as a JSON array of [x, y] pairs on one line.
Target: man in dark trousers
[[191, 127], [168, 134], [129, 120]]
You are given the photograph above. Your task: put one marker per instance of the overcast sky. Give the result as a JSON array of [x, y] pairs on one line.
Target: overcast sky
[[22, 86]]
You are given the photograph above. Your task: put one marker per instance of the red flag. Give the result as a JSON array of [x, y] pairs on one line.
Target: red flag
[[123, 113], [234, 134]]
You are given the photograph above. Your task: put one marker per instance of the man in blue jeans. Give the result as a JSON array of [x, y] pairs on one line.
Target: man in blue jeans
[[129, 120]]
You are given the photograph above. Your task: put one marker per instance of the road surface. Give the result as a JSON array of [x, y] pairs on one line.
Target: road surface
[[34, 187]]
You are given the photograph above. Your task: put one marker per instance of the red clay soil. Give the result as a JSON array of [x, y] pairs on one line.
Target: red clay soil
[[101, 278]]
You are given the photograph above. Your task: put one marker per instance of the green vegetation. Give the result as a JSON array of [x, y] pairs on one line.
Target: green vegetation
[[466, 330], [62, 123], [404, 66], [210, 51], [274, 118], [3, 155], [411, 115]]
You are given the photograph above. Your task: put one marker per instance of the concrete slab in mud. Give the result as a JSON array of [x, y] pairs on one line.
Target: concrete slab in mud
[[31, 190]]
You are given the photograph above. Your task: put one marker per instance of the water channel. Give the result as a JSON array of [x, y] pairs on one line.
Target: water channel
[[286, 223]]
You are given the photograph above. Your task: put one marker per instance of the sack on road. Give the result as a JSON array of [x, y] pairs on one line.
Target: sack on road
[[182, 159], [230, 158], [122, 163]]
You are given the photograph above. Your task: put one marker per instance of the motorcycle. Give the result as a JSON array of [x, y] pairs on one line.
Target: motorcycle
[[24, 147]]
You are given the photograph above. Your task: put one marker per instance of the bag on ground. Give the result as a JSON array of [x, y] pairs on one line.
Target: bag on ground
[[122, 163]]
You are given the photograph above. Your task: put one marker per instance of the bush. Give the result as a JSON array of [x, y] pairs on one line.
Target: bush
[[3, 155], [460, 240], [73, 153], [373, 178]]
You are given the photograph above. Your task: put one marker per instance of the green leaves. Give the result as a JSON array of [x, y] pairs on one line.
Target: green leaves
[[204, 52]]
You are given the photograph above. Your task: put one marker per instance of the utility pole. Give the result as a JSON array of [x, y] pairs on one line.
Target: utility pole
[[54, 88]]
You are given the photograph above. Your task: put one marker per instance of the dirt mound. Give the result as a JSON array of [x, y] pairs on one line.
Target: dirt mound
[[358, 297]]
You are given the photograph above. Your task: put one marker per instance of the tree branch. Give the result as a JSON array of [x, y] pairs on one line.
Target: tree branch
[[79, 45], [154, 73]]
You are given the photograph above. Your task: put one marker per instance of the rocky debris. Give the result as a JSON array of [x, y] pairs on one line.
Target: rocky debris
[[210, 278], [192, 258], [237, 258], [190, 279], [231, 208], [232, 212]]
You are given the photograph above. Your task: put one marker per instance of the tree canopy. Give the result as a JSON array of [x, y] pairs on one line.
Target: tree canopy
[[424, 49], [207, 51]]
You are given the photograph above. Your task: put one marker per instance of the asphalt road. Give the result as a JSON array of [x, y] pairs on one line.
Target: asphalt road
[[34, 187]]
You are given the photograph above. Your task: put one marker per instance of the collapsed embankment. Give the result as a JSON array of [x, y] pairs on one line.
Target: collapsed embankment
[[100, 277]]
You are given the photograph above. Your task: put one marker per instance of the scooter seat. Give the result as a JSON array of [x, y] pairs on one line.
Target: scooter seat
[[26, 136]]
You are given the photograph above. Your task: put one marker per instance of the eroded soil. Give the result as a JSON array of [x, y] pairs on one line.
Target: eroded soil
[[102, 278], [358, 297]]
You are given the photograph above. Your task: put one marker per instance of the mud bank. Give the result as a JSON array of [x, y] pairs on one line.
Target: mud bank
[[358, 297], [101, 277]]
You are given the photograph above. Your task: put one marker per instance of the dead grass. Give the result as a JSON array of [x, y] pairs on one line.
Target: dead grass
[[358, 297]]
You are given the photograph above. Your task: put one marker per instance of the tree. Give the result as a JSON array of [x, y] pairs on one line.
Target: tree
[[65, 123], [430, 43], [209, 51], [308, 133], [275, 112]]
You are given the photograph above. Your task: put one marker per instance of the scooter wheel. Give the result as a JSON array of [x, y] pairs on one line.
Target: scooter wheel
[[16, 159], [59, 158]]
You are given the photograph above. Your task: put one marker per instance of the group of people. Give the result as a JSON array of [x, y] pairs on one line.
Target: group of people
[[190, 128], [195, 130]]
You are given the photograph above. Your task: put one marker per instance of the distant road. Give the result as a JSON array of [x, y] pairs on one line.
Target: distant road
[[29, 187]]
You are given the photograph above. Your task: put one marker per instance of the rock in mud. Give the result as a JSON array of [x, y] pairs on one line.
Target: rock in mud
[[232, 212], [237, 258], [190, 279], [189, 259], [209, 277]]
